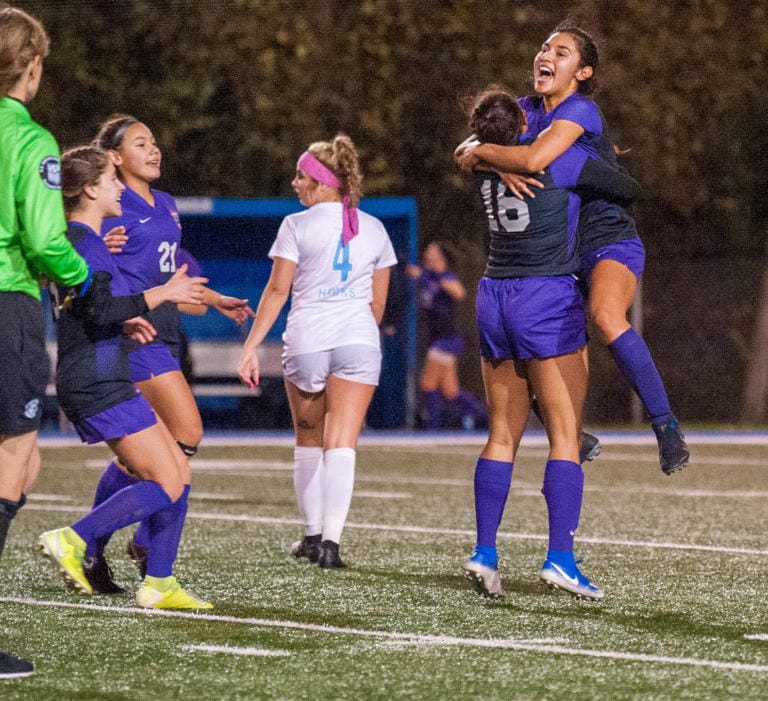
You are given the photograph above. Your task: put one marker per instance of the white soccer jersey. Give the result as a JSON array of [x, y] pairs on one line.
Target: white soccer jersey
[[332, 287]]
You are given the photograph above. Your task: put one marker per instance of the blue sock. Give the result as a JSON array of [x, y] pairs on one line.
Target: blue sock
[[633, 359], [492, 481], [471, 405], [485, 555], [112, 480], [165, 528], [129, 505], [563, 488], [564, 558], [432, 402]]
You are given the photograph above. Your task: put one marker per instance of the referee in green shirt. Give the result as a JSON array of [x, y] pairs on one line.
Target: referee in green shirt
[[33, 243]]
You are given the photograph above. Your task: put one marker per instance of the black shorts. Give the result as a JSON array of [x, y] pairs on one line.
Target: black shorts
[[24, 367]]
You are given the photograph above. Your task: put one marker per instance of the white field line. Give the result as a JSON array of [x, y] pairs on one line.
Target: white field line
[[519, 488], [368, 494], [446, 438], [214, 496], [412, 638], [462, 533], [244, 651], [756, 636]]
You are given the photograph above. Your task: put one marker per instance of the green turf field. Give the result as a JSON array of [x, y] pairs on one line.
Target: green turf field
[[683, 560]]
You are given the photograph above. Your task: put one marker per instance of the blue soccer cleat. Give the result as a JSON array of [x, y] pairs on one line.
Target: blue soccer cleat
[[484, 578], [570, 579]]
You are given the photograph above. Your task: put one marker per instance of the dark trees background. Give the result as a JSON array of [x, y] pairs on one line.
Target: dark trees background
[[235, 90]]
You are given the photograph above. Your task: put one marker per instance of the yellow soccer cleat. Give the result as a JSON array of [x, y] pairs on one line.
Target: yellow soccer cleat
[[68, 549], [173, 598]]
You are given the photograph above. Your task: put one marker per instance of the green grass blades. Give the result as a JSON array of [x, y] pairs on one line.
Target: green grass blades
[[683, 561]]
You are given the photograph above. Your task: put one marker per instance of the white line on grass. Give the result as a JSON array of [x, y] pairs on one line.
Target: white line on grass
[[413, 638], [224, 464], [49, 497], [259, 439], [214, 496], [382, 495], [462, 533], [519, 488], [245, 651], [756, 636]]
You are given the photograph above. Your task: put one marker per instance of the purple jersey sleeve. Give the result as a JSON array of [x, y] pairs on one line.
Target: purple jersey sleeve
[[193, 266], [581, 110]]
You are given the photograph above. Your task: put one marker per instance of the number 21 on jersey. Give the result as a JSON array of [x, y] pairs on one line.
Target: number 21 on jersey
[[167, 251]]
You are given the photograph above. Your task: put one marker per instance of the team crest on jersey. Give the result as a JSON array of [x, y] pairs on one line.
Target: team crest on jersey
[[31, 408], [50, 172]]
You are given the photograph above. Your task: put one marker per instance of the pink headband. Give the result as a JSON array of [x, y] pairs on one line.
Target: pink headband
[[314, 169]]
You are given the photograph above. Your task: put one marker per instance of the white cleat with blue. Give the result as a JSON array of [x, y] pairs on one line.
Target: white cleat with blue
[[569, 579], [485, 579]]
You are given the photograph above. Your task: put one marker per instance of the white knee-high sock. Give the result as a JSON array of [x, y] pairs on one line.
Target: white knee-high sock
[[308, 484], [338, 482]]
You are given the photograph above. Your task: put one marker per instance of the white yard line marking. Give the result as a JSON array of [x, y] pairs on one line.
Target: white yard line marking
[[519, 488], [462, 533], [419, 440], [49, 497], [222, 464], [415, 638], [244, 651], [214, 496], [382, 495], [756, 636]]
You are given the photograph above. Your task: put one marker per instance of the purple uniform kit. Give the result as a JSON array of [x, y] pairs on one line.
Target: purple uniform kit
[[149, 257], [92, 369], [607, 233]]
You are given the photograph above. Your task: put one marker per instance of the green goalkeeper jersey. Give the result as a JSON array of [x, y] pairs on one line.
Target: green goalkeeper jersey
[[33, 239]]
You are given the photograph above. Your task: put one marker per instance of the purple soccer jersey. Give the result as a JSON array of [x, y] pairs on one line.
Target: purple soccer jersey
[[148, 258]]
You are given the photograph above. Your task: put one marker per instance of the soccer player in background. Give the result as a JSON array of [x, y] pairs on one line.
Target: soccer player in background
[[439, 289], [32, 243], [95, 391], [336, 261], [612, 255], [149, 236]]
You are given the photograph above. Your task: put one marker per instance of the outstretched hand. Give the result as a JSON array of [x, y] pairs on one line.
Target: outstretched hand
[[234, 308], [185, 290]]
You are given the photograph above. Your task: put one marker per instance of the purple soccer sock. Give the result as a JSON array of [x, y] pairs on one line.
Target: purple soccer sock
[[471, 405], [129, 505], [112, 480], [432, 403], [492, 481], [165, 527], [563, 488], [634, 360]]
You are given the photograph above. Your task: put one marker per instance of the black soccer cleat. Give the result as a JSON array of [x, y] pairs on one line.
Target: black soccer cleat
[[14, 667], [329, 556], [590, 447], [673, 450], [99, 574], [138, 554], [309, 547]]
